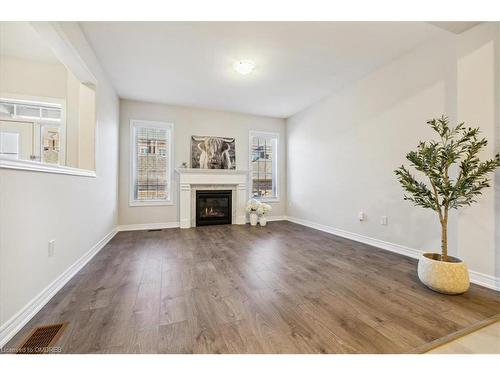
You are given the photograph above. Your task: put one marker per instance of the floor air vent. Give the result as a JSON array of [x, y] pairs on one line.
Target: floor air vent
[[42, 340], [154, 230]]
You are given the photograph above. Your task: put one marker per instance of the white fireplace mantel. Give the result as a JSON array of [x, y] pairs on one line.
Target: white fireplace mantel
[[192, 179]]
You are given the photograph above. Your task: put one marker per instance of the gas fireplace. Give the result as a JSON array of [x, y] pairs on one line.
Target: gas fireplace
[[213, 207]]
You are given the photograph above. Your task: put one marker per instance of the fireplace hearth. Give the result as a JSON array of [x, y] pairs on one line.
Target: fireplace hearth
[[213, 207]]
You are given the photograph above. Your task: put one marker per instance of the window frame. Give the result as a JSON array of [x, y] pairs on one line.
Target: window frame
[[40, 123], [169, 126], [269, 135], [38, 165]]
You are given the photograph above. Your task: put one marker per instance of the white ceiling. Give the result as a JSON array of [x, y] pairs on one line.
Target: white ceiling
[[20, 40], [297, 63]]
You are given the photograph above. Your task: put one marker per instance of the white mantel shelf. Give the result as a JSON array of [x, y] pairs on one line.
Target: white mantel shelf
[[192, 179], [210, 171]]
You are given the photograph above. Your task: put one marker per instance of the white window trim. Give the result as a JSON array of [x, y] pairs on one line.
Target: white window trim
[[151, 124], [270, 135]]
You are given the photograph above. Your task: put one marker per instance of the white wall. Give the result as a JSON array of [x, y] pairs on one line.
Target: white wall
[[32, 78], [72, 119], [75, 211], [187, 122], [86, 127], [362, 133], [359, 136], [478, 80]]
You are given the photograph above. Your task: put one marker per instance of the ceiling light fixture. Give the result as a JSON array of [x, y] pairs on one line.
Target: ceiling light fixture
[[244, 67]]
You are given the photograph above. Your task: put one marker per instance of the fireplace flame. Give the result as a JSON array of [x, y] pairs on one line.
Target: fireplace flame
[[209, 211]]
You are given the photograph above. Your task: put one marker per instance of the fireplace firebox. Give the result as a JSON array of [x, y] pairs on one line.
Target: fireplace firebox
[[213, 207]]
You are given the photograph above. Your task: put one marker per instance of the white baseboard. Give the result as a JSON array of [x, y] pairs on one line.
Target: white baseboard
[[127, 227], [19, 320], [478, 278], [276, 218], [412, 253], [270, 218], [173, 224], [482, 279]]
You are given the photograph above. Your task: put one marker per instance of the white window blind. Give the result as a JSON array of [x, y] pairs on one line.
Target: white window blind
[[151, 164], [263, 165]]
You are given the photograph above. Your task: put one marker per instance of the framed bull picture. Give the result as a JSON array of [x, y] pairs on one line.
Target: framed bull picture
[[213, 152]]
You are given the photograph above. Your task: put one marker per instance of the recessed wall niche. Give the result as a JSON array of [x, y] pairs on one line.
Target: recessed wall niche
[[47, 106]]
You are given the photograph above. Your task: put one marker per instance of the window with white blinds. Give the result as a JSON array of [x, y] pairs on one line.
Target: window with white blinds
[[151, 163], [263, 165]]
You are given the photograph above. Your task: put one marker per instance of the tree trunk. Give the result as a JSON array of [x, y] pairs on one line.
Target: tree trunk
[[444, 239]]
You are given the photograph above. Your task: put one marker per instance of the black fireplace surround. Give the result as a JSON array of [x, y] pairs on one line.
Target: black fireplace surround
[[213, 207]]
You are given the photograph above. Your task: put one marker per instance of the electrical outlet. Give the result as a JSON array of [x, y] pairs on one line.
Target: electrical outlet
[[361, 216], [383, 220], [52, 244]]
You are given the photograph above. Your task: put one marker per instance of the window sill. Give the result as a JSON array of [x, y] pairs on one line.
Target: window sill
[[34, 166], [150, 203]]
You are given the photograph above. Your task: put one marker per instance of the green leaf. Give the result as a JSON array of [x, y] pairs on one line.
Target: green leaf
[[433, 159]]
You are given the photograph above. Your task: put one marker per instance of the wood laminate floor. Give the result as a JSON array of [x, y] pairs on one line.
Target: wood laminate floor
[[284, 288]]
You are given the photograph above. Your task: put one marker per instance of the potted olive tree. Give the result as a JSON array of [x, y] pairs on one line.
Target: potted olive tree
[[454, 153]]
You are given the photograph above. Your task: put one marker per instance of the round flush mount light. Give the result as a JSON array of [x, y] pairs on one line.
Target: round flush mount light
[[244, 67]]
